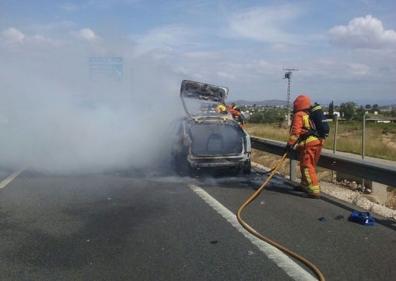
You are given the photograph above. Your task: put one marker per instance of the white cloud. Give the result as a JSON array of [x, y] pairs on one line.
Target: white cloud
[[13, 35], [265, 24], [42, 40], [202, 55], [363, 32], [336, 69], [358, 69], [226, 75], [57, 27], [87, 34], [163, 39]]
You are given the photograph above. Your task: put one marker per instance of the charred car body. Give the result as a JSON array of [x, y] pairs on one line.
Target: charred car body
[[207, 139]]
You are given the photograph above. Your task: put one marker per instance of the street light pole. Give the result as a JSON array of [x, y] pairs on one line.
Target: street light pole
[[288, 75], [288, 99]]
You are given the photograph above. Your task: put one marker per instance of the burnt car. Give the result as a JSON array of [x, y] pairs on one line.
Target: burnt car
[[206, 138]]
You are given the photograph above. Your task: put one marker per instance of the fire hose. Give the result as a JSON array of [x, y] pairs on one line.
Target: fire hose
[[254, 232]]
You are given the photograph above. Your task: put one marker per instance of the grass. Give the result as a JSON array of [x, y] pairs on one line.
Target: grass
[[380, 138]]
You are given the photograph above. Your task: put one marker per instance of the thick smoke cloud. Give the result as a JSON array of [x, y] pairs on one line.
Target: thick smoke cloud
[[54, 117]]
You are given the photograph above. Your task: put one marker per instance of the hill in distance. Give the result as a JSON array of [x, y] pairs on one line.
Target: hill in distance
[[274, 102], [261, 103]]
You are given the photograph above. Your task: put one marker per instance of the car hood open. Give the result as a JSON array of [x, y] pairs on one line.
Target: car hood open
[[201, 91]]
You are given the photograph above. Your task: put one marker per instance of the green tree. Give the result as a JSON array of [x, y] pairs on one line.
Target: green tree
[[348, 110], [359, 113], [331, 109], [375, 108]]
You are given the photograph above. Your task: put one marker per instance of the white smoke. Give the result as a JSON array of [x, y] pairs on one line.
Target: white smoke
[[54, 117]]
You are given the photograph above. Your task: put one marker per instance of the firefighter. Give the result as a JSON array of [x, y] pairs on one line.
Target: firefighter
[[309, 146], [235, 112]]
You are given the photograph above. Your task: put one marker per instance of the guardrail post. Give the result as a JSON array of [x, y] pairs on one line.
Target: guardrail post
[[363, 135], [293, 166], [335, 133], [335, 119], [363, 144]]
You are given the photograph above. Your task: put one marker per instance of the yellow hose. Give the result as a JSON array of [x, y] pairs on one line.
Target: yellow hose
[[266, 239]]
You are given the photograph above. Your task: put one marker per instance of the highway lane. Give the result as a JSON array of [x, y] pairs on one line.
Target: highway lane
[[319, 230], [135, 226], [109, 227]]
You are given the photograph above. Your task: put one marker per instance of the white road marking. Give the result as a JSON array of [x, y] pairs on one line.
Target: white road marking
[[294, 270], [9, 179]]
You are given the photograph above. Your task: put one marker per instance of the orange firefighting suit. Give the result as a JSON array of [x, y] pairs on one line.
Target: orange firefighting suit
[[233, 110], [309, 146], [236, 113]]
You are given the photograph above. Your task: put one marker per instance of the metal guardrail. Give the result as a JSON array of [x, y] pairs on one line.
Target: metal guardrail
[[366, 169]]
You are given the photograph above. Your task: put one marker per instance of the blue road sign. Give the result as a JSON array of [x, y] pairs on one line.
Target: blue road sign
[[106, 68]]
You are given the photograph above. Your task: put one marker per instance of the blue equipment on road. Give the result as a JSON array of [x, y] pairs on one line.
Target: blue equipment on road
[[364, 218]]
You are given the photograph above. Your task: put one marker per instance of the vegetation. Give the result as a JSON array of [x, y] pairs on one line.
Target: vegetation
[[269, 122], [380, 138], [351, 111], [268, 115], [348, 110]]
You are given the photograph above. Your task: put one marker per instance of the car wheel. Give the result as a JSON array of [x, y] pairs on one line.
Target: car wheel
[[181, 165]]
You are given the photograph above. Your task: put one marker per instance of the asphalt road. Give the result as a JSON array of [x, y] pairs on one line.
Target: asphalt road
[[134, 226]]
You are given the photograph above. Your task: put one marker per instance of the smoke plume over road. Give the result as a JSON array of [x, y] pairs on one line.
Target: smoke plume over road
[[54, 116]]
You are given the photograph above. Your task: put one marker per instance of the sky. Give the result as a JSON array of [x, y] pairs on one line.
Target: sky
[[66, 107], [343, 50]]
